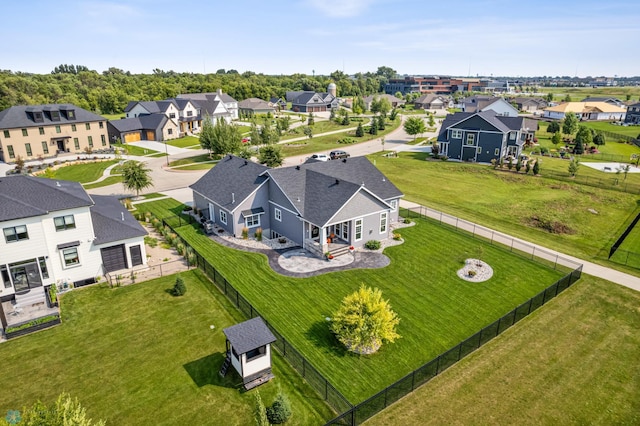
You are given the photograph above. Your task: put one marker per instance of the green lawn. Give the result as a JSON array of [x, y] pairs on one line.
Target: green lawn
[[579, 93], [575, 361], [329, 142], [133, 149], [629, 251], [189, 160], [437, 309], [320, 127], [83, 172], [510, 202], [114, 116], [137, 355], [111, 180], [186, 142], [632, 131]]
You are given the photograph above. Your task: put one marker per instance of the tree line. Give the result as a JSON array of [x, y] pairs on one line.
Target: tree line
[[110, 91]]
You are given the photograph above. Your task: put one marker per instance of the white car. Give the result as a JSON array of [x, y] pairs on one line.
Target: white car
[[319, 157]]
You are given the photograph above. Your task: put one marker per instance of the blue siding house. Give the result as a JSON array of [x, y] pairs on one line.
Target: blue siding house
[[484, 136]]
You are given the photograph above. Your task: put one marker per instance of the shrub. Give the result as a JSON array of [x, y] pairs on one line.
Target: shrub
[[346, 141], [407, 220], [372, 244], [245, 233], [260, 411], [444, 158], [179, 288], [472, 273], [259, 234], [180, 248], [150, 241], [280, 410], [397, 236]]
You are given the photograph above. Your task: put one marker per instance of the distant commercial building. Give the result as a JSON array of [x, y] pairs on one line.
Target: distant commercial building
[[434, 84]]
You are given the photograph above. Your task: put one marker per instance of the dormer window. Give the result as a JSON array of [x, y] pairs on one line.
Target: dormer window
[[37, 117], [55, 115], [71, 115]]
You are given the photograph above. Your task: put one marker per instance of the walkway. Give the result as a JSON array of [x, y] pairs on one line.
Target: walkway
[[590, 268]]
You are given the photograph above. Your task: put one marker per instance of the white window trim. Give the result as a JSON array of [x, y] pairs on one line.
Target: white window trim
[[64, 263], [355, 229], [223, 216], [277, 214], [384, 222], [479, 150], [253, 216], [512, 136], [471, 137], [394, 205], [456, 134]]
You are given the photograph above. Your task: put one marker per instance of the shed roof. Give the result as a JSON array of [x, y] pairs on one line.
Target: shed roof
[[249, 335]]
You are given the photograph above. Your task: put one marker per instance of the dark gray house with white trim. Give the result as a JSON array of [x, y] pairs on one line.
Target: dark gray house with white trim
[[633, 114], [318, 205], [484, 136]]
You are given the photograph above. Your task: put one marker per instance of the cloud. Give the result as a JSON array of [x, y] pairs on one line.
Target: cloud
[[340, 8]]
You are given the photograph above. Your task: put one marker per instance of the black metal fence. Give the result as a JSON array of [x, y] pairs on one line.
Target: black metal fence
[[423, 374], [317, 381], [624, 235]]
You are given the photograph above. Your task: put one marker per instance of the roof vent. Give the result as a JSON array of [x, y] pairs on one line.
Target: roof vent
[[337, 181], [233, 198], [230, 156], [58, 184], [383, 179], [297, 167], [298, 199], [362, 183], [246, 162], [121, 215]]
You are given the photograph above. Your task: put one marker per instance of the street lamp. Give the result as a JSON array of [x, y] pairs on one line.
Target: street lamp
[[166, 150]]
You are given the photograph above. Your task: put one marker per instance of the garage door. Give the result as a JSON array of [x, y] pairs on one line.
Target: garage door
[[132, 137], [151, 135], [114, 258]]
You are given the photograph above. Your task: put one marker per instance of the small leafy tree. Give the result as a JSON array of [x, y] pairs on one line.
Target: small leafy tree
[[360, 130], [381, 122], [135, 176], [19, 164], [414, 126], [179, 288], [567, 98], [393, 114], [553, 127], [556, 138], [358, 106], [574, 165], [270, 155], [345, 120], [308, 131], [569, 124], [384, 106], [578, 148], [280, 410], [64, 412], [599, 139], [364, 321], [527, 168], [584, 138], [206, 135], [311, 120], [431, 120], [549, 97]]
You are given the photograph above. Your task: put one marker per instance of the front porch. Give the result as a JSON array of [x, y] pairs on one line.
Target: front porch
[[332, 239]]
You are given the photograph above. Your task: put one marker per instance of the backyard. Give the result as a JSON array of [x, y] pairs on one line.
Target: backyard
[[555, 214], [573, 362], [137, 355], [437, 309]]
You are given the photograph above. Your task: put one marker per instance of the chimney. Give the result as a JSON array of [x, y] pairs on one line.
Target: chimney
[[233, 198], [219, 91], [337, 181]]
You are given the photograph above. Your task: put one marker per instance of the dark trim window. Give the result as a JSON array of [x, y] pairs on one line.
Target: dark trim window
[[70, 257], [76, 143], [25, 132], [7, 134], [169, 131], [15, 233], [45, 147], [189, 113], [172, 115], [73, 128], [90, 138], [43, 267], [55, 115], [71, 115], [58, 129], [37, 117], [64, 222], [5, 276], [101, 125], [41, 130], [256, 353], [88, 126], [27, 147], [10, 151], [103, 139]]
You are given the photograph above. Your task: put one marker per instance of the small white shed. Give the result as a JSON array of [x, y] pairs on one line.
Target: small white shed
[[249, 351]]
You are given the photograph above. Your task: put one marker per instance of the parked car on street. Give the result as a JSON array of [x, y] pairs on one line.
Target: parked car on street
[[319, 157], [336, 155]]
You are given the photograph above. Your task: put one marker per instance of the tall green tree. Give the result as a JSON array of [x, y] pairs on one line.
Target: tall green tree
[[381, 122], [373, 127], [358, 106], [384, 106], [206, 135], [359, 130], [556, 138], [569, 123], [311, 120], [227, 138], [135, 176], [549, 97], [553, 127], [414, 126], [567, 98], [599, 139], [584, 138], [270, 155]]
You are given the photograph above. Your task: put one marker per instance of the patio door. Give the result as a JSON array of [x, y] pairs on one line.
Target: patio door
[[25, 275]]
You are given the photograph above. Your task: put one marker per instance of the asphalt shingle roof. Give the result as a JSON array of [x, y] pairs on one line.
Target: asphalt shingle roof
[[17, 117], [112, 221], [26, 196], [141, 122], [232, 175], [249, 335]]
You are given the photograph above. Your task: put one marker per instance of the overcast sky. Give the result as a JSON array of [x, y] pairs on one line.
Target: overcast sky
[[515, 38]]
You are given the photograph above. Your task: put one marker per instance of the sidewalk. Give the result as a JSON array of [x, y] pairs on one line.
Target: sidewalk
[[590, 268]]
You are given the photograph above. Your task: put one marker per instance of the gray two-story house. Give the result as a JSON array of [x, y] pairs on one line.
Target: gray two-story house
[[320, 206], [484, 136]]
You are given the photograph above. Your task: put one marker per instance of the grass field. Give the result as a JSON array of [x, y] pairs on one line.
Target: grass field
[[185, 142], [511, 202], [579, 93], [137, 355], [113, 116], [629, 251], [133, 149], [437, 309], [83, 172], [320, 127], [329, 142], [575, 361], [189, 160], [632, 131]]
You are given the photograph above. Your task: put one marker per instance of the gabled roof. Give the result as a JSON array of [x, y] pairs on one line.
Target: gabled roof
[[429, 98], [206, 102], [141, 122], [523, 100], [249, 335], [20, 116], [26, 196], [501, 123], [586, 107], [254, 104], [112, 222], [319, 189], [309, 97], [231, 181], [612, 101], [391, 98], [290, 96]]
